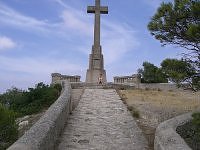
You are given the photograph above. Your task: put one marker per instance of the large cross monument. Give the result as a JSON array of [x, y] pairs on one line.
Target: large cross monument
[[96, 62]]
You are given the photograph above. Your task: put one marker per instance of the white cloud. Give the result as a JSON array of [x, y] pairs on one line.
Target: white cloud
[[77, 22], [37, 65], [117, 38], [6, 43], [11, 17], [26, 71], [72, 20]]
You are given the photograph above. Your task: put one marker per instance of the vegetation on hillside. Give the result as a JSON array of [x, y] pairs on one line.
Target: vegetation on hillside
[[152, 74], [17, 103], [31, 101], [196, 123], [8, 127], [178, 71], [178, 24]]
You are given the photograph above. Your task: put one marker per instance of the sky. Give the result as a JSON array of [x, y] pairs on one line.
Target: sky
[[40, 37]]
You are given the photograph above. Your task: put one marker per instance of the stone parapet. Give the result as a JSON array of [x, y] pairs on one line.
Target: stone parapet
[[166, 137], [44, 133], [160, 86], [135, 78], [57, 78], [108, 85]]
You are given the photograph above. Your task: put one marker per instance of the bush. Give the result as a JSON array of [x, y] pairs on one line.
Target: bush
[[196, 123], [8, 127], [196, 119], [17, 103], [135, 113], [32, 101]]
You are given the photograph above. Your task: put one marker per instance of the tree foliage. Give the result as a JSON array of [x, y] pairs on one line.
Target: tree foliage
[[8, 127], [178, 24], [152, 74], [17, 103], [196, 123], [178, 71], [31, 101]]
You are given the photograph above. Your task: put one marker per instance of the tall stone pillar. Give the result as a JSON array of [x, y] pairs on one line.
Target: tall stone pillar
[[96, 61]]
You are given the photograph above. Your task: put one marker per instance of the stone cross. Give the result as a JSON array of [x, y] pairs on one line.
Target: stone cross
[[97, 10], [96, 62]]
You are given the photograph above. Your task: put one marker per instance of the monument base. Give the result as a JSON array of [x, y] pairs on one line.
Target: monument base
[[92, 76]]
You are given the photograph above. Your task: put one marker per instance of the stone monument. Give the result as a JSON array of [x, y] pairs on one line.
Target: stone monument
[[96, 62]]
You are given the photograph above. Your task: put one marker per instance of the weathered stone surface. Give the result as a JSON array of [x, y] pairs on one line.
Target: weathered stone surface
[[44, 133], [101, 122], [76, 96], [96, 61], [166, 137]]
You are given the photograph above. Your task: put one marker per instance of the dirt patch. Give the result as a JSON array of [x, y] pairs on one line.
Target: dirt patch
[[156, 106]]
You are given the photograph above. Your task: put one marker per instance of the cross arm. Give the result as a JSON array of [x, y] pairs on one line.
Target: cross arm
[[104, 10], [92, 9]]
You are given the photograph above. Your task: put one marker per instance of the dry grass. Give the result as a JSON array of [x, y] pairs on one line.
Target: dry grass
[[156, 106], [184, 101]]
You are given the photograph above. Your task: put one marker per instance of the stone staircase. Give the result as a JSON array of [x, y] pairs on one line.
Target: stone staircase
[[101, 122]]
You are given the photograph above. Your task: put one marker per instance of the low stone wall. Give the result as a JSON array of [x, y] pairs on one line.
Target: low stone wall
[[108, 85], [166, 137], [152, 86], [159, 86], [44, 133]]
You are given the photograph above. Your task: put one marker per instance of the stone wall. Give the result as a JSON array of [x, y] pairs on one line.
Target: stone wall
[[44, 133], [159, 86], [108, 85], [57, 78], [135, 78], [166, 137], [152, 86]]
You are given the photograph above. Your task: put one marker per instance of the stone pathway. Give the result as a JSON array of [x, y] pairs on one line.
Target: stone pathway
[[101, 122]]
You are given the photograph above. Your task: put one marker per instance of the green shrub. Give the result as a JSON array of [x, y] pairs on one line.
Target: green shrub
[[196, 119], [32, 101], [136, 113], [8, 127], [20, 103], [196, 123]]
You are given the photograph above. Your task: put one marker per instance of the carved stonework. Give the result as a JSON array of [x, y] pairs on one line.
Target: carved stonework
[[58, 78], [96, 62]]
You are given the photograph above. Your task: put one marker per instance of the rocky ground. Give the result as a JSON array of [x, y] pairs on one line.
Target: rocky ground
[[153, 107]]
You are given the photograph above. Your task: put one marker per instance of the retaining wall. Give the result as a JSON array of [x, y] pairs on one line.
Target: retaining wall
[[44, 133], [166, 137], [108, 85], [159, 86]]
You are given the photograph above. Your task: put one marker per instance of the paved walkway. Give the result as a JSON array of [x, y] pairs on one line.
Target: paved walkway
[[101, 122]]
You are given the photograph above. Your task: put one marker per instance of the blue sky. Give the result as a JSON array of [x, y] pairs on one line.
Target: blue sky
[[38, 38]]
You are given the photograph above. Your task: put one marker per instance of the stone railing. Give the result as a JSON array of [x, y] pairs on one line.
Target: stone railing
[[159, 86], [108, 85], [166, 137], [44, 133]]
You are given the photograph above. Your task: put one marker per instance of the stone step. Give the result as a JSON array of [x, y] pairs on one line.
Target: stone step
[[94, 87], [101, 122]]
